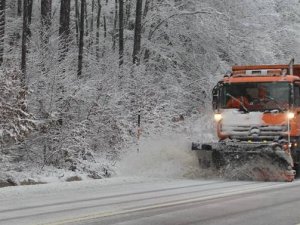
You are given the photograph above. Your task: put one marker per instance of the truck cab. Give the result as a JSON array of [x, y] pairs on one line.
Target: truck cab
[[259, 103]]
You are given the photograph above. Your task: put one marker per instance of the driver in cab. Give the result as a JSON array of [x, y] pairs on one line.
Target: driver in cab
[[238, 102], [262, 96]]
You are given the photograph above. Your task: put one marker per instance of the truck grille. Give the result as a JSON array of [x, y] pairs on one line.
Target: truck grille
[[255, 132]]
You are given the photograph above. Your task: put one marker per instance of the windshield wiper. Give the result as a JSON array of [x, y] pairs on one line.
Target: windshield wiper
[[242, 104]]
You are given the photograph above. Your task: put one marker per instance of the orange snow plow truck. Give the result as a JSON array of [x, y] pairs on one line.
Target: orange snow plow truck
[[257, 117]]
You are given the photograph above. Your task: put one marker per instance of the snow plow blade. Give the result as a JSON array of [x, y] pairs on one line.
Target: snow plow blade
[[247, 161]]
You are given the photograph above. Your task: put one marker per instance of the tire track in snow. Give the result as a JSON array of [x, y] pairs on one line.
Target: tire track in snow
[[107, 197], [232, 186]]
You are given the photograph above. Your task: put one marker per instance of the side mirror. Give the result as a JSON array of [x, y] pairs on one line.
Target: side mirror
[[215, 103], [216, 96]]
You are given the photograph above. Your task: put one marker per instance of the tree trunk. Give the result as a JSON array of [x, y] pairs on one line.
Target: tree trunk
[[77, 20], [46, 8], [104, 26], [121, 32], [128, 12], [137, 32], [64, 27], [91, 38], [30, 5], [92, 16], [19, 8], [98, 29], [2, 30], [146, 9], [115, 25], [81, 34], [24, 41], [86, 20], [147, 55]]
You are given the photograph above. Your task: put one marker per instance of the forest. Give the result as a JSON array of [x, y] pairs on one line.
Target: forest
[[84, 81]]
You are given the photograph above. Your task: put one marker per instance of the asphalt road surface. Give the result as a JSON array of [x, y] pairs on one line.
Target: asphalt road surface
[[152, 201]]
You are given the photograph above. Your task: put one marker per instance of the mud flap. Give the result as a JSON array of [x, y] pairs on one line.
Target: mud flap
[[247, 161]]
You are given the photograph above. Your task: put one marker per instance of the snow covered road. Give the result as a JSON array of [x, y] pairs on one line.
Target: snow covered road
[[131, 200]]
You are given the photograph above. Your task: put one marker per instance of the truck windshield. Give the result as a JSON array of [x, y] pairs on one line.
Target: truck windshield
[[256, 96]]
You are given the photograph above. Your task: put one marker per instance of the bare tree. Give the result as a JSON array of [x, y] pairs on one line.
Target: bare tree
[[46, 8], [19, 9], [137, 32], [115, 25], [146, 9], [30, 5], [86, 20], [81, 34], [127, 11], [92, 16], [24, 41], [121, 32], [77, 20], [98, 28], [91, 22], [104, 26], [2, 29], [64, 27]]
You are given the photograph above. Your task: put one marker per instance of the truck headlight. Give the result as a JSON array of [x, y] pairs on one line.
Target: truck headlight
[[290, 115], [218, 117]]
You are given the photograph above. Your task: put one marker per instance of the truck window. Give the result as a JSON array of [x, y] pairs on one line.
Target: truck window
[[260, 96]]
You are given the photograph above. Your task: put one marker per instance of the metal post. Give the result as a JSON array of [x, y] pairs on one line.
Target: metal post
[[138, 131]]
